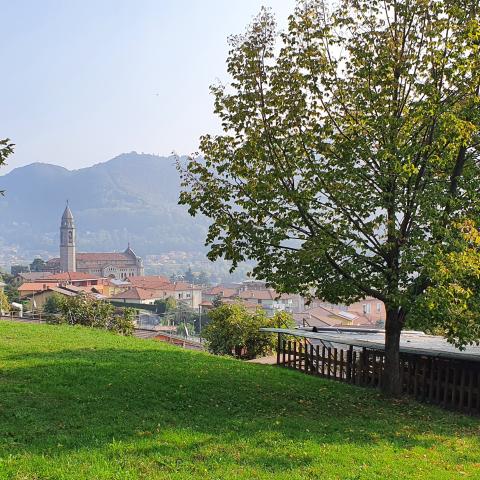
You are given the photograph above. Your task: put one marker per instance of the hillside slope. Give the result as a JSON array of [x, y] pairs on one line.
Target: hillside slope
[[132, 197], [77, 403]]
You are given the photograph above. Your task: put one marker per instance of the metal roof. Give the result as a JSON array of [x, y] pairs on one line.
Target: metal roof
[[410, 341]]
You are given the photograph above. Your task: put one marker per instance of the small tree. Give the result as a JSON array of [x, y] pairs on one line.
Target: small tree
[[202, 279], [10, 289], [189, 276], [53, 304], [234, 331], [217, 301], [38, 265], [122, 322], [4, 303], [90, 312]]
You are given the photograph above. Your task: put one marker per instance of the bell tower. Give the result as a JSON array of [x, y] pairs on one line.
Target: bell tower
[[68, 261]]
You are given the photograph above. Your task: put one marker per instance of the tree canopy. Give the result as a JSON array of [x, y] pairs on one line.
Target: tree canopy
[[348, 163]]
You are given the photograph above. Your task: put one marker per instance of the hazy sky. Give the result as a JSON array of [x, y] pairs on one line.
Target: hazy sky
[[79, 78]]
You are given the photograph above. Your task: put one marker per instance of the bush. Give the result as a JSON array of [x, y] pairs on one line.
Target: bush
[[4, 304], [234, 331], [53, 304], [87, 311], [123, 323]]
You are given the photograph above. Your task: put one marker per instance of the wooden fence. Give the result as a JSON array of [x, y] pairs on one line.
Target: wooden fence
[[450, 383]]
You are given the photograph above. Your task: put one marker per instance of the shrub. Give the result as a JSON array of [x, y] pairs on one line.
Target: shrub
[[53, 304], [4, 304], [90, 312], [234, 331], [123, 322]]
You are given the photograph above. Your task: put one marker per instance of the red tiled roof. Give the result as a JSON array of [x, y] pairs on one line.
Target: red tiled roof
[[102, 256], [257, 294], [33, 287], [149, 281], [222, 291], [179, 286], [71, 276], [136, 293], [325, 316], [33, 276], [244, 303]]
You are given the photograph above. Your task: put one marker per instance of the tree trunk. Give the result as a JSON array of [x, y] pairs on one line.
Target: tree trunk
[[391, 379]]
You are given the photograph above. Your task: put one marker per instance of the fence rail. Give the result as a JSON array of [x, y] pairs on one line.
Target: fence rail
[[450, 383]]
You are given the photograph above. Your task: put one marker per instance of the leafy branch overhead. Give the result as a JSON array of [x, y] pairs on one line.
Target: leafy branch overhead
[[6, 149]]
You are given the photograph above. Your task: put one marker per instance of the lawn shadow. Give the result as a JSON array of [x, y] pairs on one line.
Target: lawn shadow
[[85, 397]]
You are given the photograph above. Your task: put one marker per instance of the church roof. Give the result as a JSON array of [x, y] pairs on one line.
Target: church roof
[[67, 218], [33, 276], [67, 214], [71, 276], [101, 256], [130, 252]]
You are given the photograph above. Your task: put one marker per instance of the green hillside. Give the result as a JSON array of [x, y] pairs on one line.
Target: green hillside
[[82, 404], [132, 197]]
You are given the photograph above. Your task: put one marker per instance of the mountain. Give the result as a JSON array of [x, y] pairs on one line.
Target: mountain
[[132, 197]]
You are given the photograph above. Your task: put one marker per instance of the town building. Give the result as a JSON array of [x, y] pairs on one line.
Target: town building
[[77, 280], [148, 289], [370, 309], [121, 265], [36, 301]]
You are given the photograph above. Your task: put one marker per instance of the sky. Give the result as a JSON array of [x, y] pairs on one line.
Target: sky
[[85, 80]]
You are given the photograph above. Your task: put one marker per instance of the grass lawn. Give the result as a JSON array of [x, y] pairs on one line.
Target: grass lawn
[[83, 404]]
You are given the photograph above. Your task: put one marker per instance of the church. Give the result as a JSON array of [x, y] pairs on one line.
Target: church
[[121, 265]]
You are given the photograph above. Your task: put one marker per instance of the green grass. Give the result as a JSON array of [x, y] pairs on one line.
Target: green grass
[[83, 404]]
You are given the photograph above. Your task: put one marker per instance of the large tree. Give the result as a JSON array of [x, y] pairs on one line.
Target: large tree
[[348, 166]]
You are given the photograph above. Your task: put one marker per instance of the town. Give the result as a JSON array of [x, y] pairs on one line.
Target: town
[[240, 240], [119, 278]]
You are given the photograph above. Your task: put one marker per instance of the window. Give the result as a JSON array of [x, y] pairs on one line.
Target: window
[[366, 308], [379, 307]]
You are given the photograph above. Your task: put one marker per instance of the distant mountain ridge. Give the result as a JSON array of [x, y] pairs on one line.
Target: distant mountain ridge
[[131, 198]]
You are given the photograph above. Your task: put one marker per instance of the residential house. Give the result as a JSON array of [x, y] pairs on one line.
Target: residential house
[[271, 301], [137, 295], [37, 300], [370, 308], [219, 292]]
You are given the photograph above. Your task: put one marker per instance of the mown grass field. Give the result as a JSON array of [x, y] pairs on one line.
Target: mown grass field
[[84, 404]]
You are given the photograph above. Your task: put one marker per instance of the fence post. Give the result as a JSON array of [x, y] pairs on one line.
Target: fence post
[[363, 363], [323, 360], [335, 363], [329, 363], [295, 354], [279, 346], [349, 363], [312, 363]]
